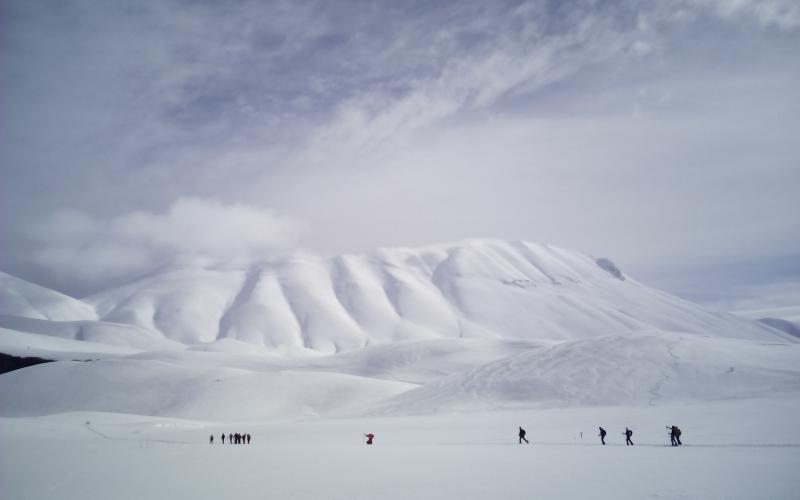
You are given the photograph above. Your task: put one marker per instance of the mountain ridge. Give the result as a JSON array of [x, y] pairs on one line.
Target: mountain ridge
[[301, 303]]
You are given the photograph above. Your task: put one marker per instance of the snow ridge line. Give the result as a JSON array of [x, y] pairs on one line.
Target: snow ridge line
[[109, 438], [305, 340], [337, 269], [104, 436], [449, 292], [249, 284]]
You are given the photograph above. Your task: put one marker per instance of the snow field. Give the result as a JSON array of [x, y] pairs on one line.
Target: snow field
[[456, 375], [441, 351], [645, 368], [443, 375], [146, 387], [738, 449]]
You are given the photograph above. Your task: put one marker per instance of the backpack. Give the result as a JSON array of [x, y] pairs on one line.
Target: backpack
[[677, 431]]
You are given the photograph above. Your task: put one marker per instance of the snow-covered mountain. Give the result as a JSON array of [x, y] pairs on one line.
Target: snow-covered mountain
[[474, 325], [474, 289], [306, 303]]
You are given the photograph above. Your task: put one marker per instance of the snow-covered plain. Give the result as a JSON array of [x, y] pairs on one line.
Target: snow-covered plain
[[442, 352], [734, 450]]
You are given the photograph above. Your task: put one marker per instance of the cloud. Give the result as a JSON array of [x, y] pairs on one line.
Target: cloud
[[657, 133], [86, 250], [782, 14], [517, 61]]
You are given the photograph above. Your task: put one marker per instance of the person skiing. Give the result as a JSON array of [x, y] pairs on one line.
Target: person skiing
[[628, 433], [230, 438], [369, 437], [602, 436], [211, 440], [522, 436], [674, 435], [248, 438], [223, 438]]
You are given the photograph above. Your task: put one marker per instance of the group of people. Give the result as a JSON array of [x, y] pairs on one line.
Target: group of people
[[674, 434], [233, 438]]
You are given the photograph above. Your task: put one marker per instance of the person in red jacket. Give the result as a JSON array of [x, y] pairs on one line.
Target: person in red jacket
[[369, 437]]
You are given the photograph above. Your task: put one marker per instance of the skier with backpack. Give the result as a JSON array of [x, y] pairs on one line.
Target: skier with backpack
[[522, 436], [628, 433], [674, 435], [602, 436]]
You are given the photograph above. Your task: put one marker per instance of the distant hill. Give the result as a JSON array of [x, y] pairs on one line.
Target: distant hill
[[307, 304]]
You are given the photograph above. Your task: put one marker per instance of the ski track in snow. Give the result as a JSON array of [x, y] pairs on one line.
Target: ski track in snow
[[655, 391]]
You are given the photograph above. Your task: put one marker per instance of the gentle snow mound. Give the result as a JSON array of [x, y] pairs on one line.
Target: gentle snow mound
[[145, 387], [631, 369]]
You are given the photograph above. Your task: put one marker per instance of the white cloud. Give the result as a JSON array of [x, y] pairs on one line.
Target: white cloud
[[782, 14], [378, 120], [86, 249], [635, 129]]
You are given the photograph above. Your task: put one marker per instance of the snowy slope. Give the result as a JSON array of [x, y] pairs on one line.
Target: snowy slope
[[232, 385], [642, 369], [468, 326], [102, 332], [23, 344], [30, 312], [440, 375], [474, 289], [148, 387], [20, 298]]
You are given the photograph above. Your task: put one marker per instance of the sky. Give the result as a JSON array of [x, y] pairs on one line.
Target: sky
[[662, 135]]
